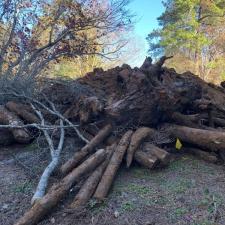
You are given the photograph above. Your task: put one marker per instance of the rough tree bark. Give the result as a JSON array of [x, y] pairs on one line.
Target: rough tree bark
[[22, 111], [114, 164], [206, 139], [209, 157], [146, 159], [88, 148], [21, 135], [138, 136], [161, 154], [89, 186], [186, 120]]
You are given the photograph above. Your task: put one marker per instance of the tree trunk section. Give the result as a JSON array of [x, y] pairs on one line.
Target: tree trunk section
[[185, 120], [21, 135], [206, 156], [88, 148], [113, 166], [89, 186], [161, 154], [136, 139], [146, 159], [206, 139], [22, 112]]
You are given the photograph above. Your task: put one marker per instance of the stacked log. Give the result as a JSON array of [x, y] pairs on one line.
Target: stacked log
[[207, 139], [160, 153], [136, 139], [57, 192], [88, 148], [23, 111], [119, 111], [21, 135], [113, 166], [147, 160], [89, 187]]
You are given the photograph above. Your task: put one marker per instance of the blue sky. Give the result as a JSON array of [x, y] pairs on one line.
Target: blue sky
[[147, 12]]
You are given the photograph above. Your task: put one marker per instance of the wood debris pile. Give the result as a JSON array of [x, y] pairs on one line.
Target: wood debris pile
[[126, 115]]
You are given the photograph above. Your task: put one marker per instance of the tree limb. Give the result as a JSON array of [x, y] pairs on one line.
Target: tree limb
[[55, 153]]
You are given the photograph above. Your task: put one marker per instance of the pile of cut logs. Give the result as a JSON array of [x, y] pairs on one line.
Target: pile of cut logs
[[124, 115]]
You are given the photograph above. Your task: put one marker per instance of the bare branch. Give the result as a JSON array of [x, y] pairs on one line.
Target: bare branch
[[56, 113], [38, 126], [55, 153]]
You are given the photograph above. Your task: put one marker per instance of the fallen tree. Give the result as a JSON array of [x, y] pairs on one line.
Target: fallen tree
[[209, 157], [141, 111]]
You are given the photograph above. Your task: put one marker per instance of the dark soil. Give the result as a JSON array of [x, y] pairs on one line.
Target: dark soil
[[189, 191]]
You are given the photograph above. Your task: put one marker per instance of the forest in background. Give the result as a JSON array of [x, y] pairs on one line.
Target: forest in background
[[194, 32], [63, 37]]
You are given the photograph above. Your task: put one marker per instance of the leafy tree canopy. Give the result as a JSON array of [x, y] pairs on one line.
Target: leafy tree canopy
[[193, 28]]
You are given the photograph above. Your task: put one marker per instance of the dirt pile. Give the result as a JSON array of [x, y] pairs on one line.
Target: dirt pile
[[126, 114]]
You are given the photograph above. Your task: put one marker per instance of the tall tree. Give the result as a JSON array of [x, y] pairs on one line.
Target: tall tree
[[192, 30], [123, 46], [64, 24]]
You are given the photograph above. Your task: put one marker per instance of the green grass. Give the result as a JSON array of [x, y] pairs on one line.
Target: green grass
[[181, 165], [139, 189], [210, 201], [159, 200], [95, 207], [117, 190], [127, 206], [177, 165], [177, 213], [169, 189], [204, 222], [177, 186], [25, 187]]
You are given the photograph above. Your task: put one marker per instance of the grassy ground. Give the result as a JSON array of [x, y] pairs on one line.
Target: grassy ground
[[189, 191]]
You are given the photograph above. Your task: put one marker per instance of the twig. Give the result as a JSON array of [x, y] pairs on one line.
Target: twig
[[38, 126]]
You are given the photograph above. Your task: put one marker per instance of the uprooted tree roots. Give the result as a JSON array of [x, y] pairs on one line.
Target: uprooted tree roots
[[123, 113]]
